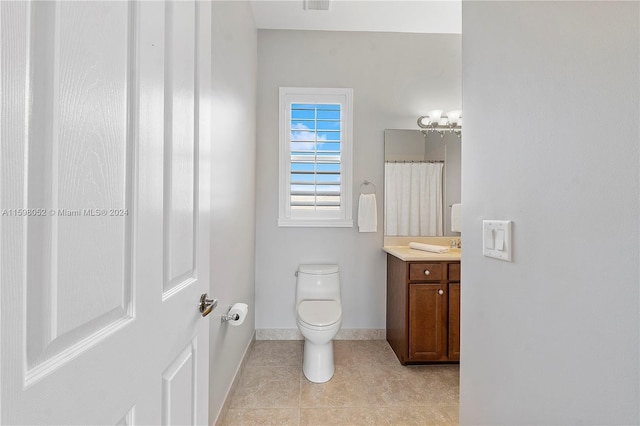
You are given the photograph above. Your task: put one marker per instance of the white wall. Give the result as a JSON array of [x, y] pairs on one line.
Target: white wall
[[551, 107], [396, 78], [233, 189]]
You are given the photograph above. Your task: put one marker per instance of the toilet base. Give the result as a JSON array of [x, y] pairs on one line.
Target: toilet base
[[317, 361]]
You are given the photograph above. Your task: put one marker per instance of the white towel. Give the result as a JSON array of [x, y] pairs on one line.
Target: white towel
[[456, 220], [429, 247], [367, 213]]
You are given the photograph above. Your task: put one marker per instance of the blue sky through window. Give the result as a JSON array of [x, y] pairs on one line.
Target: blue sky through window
[[315, 155]]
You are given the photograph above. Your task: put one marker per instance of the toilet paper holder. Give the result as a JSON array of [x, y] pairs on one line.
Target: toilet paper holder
[[226, 317]]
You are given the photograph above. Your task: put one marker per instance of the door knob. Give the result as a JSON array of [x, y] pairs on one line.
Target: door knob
[[440, 292], [207, 305]]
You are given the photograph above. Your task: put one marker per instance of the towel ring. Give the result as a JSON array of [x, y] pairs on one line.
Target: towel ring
[[367, 183]]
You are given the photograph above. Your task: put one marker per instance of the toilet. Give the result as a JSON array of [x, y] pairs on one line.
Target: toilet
[[318, 315]]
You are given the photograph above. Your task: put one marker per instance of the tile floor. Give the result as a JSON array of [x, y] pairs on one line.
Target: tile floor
[[370, 387]]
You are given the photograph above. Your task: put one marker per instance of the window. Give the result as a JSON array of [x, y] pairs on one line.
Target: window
[[315, 157]]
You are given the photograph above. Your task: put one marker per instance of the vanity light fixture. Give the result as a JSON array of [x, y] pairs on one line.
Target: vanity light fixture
[[435, 121]]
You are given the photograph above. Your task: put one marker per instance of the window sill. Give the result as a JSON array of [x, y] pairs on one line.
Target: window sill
[[306, 223]]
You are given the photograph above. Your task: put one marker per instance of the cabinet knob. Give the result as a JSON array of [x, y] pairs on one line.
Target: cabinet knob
[[426, 272], [441, 292]]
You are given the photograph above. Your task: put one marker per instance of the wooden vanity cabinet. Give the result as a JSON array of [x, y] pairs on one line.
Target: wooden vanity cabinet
[[423, 310], [454, 311], [427, 322]]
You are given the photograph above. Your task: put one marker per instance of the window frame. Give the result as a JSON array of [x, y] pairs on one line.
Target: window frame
[[287, 217]]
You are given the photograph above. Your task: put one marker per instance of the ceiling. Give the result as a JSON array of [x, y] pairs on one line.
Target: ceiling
[[416, 16]]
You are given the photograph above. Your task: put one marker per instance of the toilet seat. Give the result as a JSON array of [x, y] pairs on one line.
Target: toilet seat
[[319, 313]]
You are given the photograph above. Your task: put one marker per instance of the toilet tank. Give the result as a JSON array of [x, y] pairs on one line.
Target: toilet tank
[[318, 282]]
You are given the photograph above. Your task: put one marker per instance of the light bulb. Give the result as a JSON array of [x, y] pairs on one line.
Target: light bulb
[[434, 116], [455, 117]]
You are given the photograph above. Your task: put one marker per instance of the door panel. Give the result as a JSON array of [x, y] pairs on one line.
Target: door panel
[[127, 419], [79, 163], [104, 212], [178, 382], [181, 155]]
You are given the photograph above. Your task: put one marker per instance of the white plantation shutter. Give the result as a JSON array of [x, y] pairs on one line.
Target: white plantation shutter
[[315, 157]]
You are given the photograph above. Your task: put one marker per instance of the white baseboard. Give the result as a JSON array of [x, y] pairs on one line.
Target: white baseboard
[[343, 334], [234, 383]]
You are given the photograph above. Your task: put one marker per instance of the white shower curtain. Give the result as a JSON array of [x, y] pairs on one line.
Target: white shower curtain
[[413, 199]]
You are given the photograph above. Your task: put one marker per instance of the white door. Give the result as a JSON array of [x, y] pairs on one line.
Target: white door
[[104, 212]]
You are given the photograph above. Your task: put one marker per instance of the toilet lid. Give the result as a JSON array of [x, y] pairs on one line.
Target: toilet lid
[[319, 312], [318, 269]]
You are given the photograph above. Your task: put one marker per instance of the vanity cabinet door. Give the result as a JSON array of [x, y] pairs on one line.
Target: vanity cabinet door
[[454, 321], [454, 271], [427, 322]]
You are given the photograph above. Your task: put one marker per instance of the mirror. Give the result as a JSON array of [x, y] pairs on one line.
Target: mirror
[[422, 181]]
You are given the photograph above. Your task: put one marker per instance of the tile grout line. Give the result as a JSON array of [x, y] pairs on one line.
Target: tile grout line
[[353, 356]]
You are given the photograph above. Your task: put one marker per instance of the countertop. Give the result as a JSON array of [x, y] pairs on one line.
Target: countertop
[[408, 254]]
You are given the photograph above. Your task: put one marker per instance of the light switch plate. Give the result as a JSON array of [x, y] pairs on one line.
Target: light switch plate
[[497, 239]]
